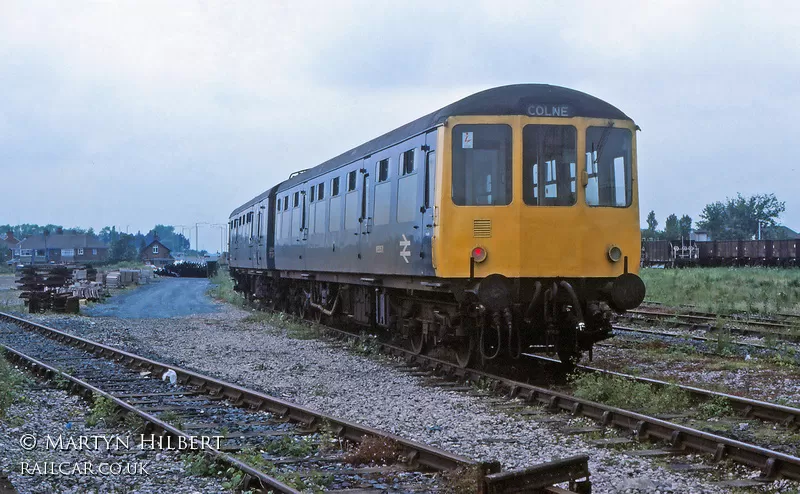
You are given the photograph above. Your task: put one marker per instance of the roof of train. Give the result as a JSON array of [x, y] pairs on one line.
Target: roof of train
[[516, 99]]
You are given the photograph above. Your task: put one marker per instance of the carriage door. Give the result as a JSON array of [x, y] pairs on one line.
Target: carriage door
[[303, 227], [259, 234], [365, 215], [428, 202]]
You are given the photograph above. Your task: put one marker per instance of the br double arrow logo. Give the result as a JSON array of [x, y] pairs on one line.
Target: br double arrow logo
[[405, 253]]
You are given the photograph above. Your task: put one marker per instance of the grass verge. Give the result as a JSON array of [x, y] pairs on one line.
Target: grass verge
[[755, 290], [222, 289]]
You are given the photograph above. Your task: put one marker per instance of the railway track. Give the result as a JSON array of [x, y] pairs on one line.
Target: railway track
[[286, 440], [746, 407], [779, 317], [787, 330], [679, 438], [703, 339]]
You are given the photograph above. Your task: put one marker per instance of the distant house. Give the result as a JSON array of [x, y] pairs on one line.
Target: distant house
[[61, 248], [699, 236], [781, 232], [9, 243], [155, 253]]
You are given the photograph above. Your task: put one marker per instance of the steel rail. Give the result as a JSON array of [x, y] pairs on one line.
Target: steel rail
[[713, 318], [686, 336], [414, 452], [749, 408], [492, 480], [772, 464], [46, 370], [691, 309]]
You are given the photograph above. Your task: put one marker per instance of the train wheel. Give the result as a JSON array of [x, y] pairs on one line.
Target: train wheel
[[416, 337], [567, 349], [465, 350], [302, 307], [569, 358]]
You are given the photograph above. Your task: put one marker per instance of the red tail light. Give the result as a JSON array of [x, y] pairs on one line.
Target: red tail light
[[479, 254]]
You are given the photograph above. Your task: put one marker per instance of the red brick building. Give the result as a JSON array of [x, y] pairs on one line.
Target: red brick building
[[61, 247], [155, 253]]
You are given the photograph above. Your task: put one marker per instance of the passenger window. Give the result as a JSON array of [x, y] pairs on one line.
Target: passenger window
[[383, 170], [335, 187], [313, 194], [279, 205], [549, 155], [351, 181], [335, 218], [296, 201], [351, 211], [481, 157], [321, 191], [285, 203], [407, 203], [382, 200], [407, 162]]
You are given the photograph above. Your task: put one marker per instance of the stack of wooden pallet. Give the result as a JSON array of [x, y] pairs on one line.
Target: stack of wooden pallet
[[39, 285]]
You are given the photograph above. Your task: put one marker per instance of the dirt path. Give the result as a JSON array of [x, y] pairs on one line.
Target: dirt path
[[170, 297]]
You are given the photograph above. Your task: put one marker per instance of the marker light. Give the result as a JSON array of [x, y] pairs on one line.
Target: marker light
[[479, 254], [614, 253]]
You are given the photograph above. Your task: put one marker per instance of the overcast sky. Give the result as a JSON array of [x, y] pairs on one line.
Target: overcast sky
[[137, 113]]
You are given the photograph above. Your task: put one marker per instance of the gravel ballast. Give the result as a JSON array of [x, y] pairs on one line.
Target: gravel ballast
[[327, 377], [63, 464]]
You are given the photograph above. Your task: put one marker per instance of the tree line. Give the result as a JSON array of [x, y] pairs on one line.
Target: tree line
[[121, 246], [736, 218]]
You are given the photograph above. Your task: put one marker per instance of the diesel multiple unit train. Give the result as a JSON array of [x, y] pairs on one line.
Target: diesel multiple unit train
[[503, 223]]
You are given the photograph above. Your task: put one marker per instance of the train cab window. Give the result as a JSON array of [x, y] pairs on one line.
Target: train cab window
[[407, 163], [383, 170], [313, 194], [351, 181], [296, 200], [609, 167], [335, 187], [481, 165], [321, 191], [279, 205], [549, 157], [285, 203], [430, 177]]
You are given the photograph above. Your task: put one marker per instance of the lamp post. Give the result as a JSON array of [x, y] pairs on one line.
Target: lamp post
[[197, 235], [222, 228]]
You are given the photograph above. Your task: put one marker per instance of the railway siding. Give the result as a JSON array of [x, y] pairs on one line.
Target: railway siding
[[411, 452], [330, 376]]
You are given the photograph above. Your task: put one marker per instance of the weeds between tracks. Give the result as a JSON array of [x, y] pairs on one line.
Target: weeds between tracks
[[10, 380], [625, 393]]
